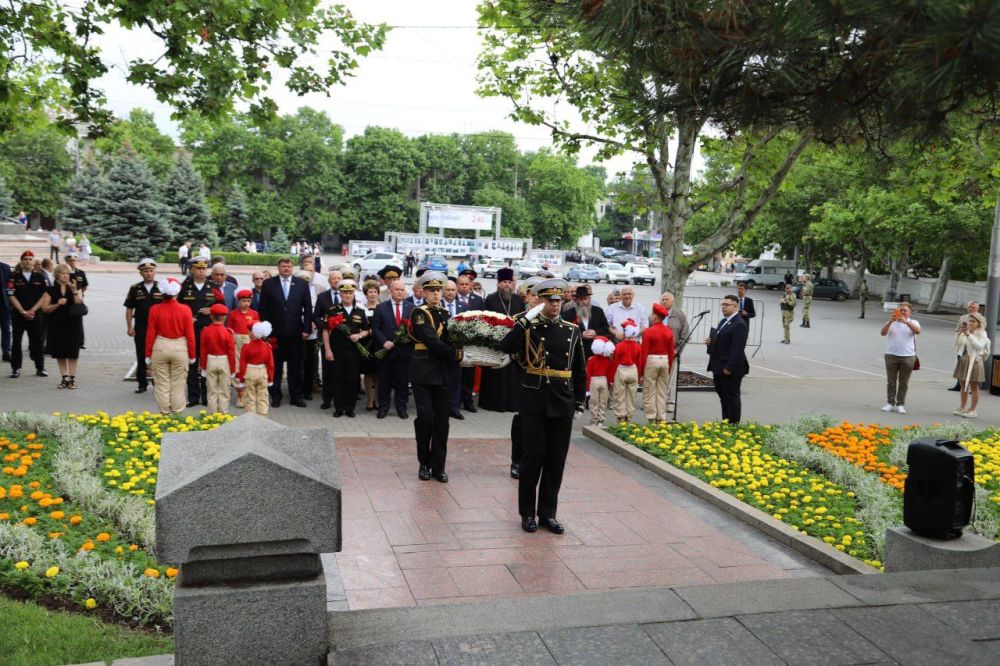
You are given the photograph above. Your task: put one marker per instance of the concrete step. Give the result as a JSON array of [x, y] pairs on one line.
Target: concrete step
[[11, 247]]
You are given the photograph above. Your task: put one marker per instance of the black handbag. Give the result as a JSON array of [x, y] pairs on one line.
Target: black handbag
[[78, 310]]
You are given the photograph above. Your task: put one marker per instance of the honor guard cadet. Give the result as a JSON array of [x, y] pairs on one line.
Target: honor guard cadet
[[429, 371], [198, 294], [25, 288], [516, 429], [553, 389], [140, 298], [787, 305]]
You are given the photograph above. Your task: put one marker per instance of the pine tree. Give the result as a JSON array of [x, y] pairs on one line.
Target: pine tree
[[234, 220], [184, 197], [6, 200], [280, 242], [132, 219], [82, 210]]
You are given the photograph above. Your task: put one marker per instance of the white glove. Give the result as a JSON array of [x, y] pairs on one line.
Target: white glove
[[270, 384], [504, 361], [239, 385], [201, 373], [148, 360], [534, 312]]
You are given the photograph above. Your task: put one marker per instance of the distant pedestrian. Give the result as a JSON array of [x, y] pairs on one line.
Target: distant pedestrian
[[747, 310], [807, 299], [971, 308], [863, 297], [787, 306], [900, 355], [183, 254], [84, 249], [788, 277], [142, 296], [973, 348], [55, 240]]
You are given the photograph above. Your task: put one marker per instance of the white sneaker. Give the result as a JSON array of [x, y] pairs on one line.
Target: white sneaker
[[889, 408], [970, 415], [959, 412], [900, 409]]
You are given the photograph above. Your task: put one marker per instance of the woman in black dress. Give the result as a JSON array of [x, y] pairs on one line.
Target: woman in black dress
[[369, 366], [64, 328], [339, 347]]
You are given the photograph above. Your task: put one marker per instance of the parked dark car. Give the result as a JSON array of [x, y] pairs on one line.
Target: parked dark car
[[573, 257], [434, 262], [835, 290], [626, 258]]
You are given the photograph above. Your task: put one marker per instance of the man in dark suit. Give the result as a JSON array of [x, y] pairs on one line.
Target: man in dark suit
[[727, 359], [745, 303], [468, 300], [590, 319], [394, 368], [285, 301], [5, 311]]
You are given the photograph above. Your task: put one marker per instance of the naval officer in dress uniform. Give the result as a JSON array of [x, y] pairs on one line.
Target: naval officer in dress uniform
[[553, 389], [430, 369], [141, 297]]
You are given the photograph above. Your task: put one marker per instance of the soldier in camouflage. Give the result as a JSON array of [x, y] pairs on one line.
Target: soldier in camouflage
[[787, 313], [807, 299], [863, 297]]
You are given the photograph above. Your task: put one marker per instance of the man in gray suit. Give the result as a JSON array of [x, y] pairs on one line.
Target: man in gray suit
[[678, 323]]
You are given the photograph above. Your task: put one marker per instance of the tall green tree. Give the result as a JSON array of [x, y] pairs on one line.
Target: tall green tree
[[234, 223], [84, 200], [380, 172], [140, 131], [184, 199], [444, 169], [6, 200], [561, 199], [133, 220], [37, 168]]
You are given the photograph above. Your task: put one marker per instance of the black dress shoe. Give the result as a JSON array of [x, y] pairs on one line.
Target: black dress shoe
[[515, 471], [325, 405], [141, 389], [402, 414], [337, 414], [440, 476], [350, 415], [14, 374], [956, 387], [6, 358], [552, 525], [307, 396], [382, 413], [471, 409], [41, 373], [276, 402], [425, 473], [457, 415], [529, 525], [299, 403]]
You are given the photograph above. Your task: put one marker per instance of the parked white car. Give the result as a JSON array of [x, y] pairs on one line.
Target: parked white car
[[613, 272], [640, 274], [525, 269], [373, 262], [490, 268]]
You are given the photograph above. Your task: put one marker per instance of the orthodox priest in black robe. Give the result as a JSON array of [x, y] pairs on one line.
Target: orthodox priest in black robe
[[499, 388]]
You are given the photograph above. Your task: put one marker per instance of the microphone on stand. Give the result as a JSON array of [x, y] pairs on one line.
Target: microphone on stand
[[702, 314]]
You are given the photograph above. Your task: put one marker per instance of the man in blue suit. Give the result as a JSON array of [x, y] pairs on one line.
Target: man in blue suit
[[745, 303], [221, 282], [727, 359], [468, 300], [5, 310], [285, 301], [394, 368]]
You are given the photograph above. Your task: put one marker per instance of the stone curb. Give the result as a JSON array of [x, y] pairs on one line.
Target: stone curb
[[814, 549]]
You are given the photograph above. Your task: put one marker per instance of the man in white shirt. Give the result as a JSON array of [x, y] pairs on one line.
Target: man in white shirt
[[183, 254], [55, 240], [626, 308]]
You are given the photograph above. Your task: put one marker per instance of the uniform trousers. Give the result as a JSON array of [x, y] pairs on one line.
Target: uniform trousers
[[393, 377], [431, 425], [35, 328], [310, 366], [289, 350], [5, 328], [623, 394], [241, 339], [806, 306], [546, 444], [347, 370], [197, 391], [255, 398], [516, 439], [787, 316], [728, 389], [598, 399], [217, 383], [672, 385], [141, 371], [170, 371], [655, 382], [327, 368]]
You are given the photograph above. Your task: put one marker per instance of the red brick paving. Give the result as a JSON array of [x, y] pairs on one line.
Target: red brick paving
[[410, 542]]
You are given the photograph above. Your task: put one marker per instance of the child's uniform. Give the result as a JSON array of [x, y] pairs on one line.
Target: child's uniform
[[218, 362], [256, 374], [625, 371], [599, 380], [658, 353], [241, 323]]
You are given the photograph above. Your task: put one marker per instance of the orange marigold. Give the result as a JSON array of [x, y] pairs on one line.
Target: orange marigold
[[87, 545], [30, 520], [75, 520], [57, 515], [103, 536]]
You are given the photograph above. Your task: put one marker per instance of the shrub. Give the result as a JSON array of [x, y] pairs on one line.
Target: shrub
[[236, 258]]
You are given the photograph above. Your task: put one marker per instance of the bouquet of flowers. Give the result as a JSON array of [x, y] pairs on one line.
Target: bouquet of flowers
[[478, 333], [338, 323], [400, 337]]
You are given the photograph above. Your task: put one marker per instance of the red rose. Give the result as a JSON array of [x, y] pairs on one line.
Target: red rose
[[333, 321]]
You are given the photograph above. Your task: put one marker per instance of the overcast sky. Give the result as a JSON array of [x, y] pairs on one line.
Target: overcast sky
[[422, 82]]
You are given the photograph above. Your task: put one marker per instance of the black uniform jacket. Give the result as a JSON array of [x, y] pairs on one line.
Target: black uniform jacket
[[141, 301], [560, 344], [433, 353], [357, 322]]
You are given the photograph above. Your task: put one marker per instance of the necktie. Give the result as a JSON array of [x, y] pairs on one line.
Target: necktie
[[722, 324], [399, 315], [451, 308], [284, 288], [741, 304]]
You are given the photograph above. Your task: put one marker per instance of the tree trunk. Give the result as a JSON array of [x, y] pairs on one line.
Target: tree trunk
[[899, 264], [831, 264], [941, 285], [675, 202], [859, 273]]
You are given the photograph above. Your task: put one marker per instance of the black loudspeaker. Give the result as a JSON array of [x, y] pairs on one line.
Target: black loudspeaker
[[939, 488]]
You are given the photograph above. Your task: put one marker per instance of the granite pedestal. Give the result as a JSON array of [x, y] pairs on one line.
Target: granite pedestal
[[907, 551]]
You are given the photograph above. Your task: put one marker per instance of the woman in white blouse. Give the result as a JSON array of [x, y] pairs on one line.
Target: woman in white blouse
[[900, 356], [972, 345]]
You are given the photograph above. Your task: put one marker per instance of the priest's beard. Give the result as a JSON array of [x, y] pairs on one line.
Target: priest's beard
[[505, 293], [583, 312]]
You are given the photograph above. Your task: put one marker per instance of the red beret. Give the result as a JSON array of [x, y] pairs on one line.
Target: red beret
[[27, 253], [219, 309], [244, 293], [660, 310]]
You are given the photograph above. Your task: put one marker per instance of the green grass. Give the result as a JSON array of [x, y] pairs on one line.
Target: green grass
[[34, 636]]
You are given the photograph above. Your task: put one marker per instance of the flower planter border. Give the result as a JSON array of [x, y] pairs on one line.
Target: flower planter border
[[814, 549]]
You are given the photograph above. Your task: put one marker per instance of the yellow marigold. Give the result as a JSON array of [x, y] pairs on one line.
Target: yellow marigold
[[30, 520], [22, 565], [103, 536], [57, 515], [171, 572], [45, 502], [151, 573], [119, 550], [52, 572], [3, 492], [34, 484], [55, 535], [37, 495], [30, 437], [90, 603], [75, 520]]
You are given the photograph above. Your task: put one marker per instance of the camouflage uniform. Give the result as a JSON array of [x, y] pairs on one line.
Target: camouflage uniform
[[863, 297], [787, 314], [807, 299]]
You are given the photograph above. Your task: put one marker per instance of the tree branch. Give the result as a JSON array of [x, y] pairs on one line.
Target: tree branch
[[572, 136]]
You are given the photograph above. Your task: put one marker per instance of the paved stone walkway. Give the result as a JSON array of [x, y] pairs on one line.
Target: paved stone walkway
[[410, 542], [907, 618]]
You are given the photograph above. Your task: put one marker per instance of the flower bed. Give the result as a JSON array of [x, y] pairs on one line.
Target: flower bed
[[76, 514]]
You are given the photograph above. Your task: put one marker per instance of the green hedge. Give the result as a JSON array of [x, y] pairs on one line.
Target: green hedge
[[105, 255], [236, 258]]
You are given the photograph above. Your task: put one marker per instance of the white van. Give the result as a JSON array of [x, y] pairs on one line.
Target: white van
[[768, 273]]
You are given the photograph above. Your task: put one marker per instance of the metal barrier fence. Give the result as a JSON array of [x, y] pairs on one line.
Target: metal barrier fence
[[695, 304]]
